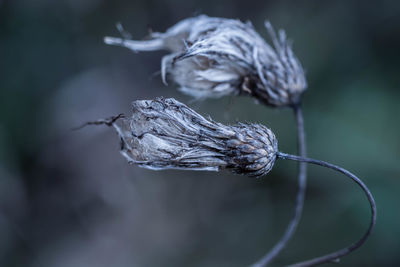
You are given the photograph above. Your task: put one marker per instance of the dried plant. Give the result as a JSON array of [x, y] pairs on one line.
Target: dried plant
[[213, 57], [165, 134]]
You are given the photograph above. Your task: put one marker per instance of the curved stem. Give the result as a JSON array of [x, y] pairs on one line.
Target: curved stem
[[301, 191], [335, 256]]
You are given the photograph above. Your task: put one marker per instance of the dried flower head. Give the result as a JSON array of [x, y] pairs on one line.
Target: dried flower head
[[166, 134], [212, 57]]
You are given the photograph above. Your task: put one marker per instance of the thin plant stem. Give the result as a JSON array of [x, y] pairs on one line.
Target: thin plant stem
[[335, 256], [301, 191]]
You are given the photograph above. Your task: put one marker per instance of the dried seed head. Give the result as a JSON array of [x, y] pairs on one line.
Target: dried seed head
[[212, 57], [166, 134]]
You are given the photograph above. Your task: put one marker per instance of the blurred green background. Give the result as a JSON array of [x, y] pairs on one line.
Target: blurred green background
[[67, 198]]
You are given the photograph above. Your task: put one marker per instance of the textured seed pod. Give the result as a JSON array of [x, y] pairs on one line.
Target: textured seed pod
[[213, 57], [166, 134]]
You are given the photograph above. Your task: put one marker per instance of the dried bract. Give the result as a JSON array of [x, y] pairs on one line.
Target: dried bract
[[166, 134], [212, 57]]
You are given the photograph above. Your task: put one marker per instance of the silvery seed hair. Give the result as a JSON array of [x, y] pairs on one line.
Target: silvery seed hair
[[166, 134], [213, 57]]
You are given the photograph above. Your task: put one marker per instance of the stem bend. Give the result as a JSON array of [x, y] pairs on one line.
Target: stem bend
[[335, 256]]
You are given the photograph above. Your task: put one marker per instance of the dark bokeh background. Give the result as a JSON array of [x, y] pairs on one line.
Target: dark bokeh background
[[67, 198]]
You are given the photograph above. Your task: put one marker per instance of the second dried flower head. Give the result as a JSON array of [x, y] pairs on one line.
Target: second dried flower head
[[166, 134], [213, 57]]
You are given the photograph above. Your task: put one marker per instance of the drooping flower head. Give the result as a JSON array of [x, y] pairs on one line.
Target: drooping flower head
[[166, 134], [213, 57]]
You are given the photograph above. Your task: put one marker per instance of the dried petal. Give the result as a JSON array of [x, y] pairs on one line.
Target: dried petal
[[213, 57], [166, 134]]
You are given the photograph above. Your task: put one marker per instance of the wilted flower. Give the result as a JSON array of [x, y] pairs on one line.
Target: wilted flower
[[166, 134], [212, 57]]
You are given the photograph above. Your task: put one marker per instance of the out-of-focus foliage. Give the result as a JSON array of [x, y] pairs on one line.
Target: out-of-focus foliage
[[67, 198]]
